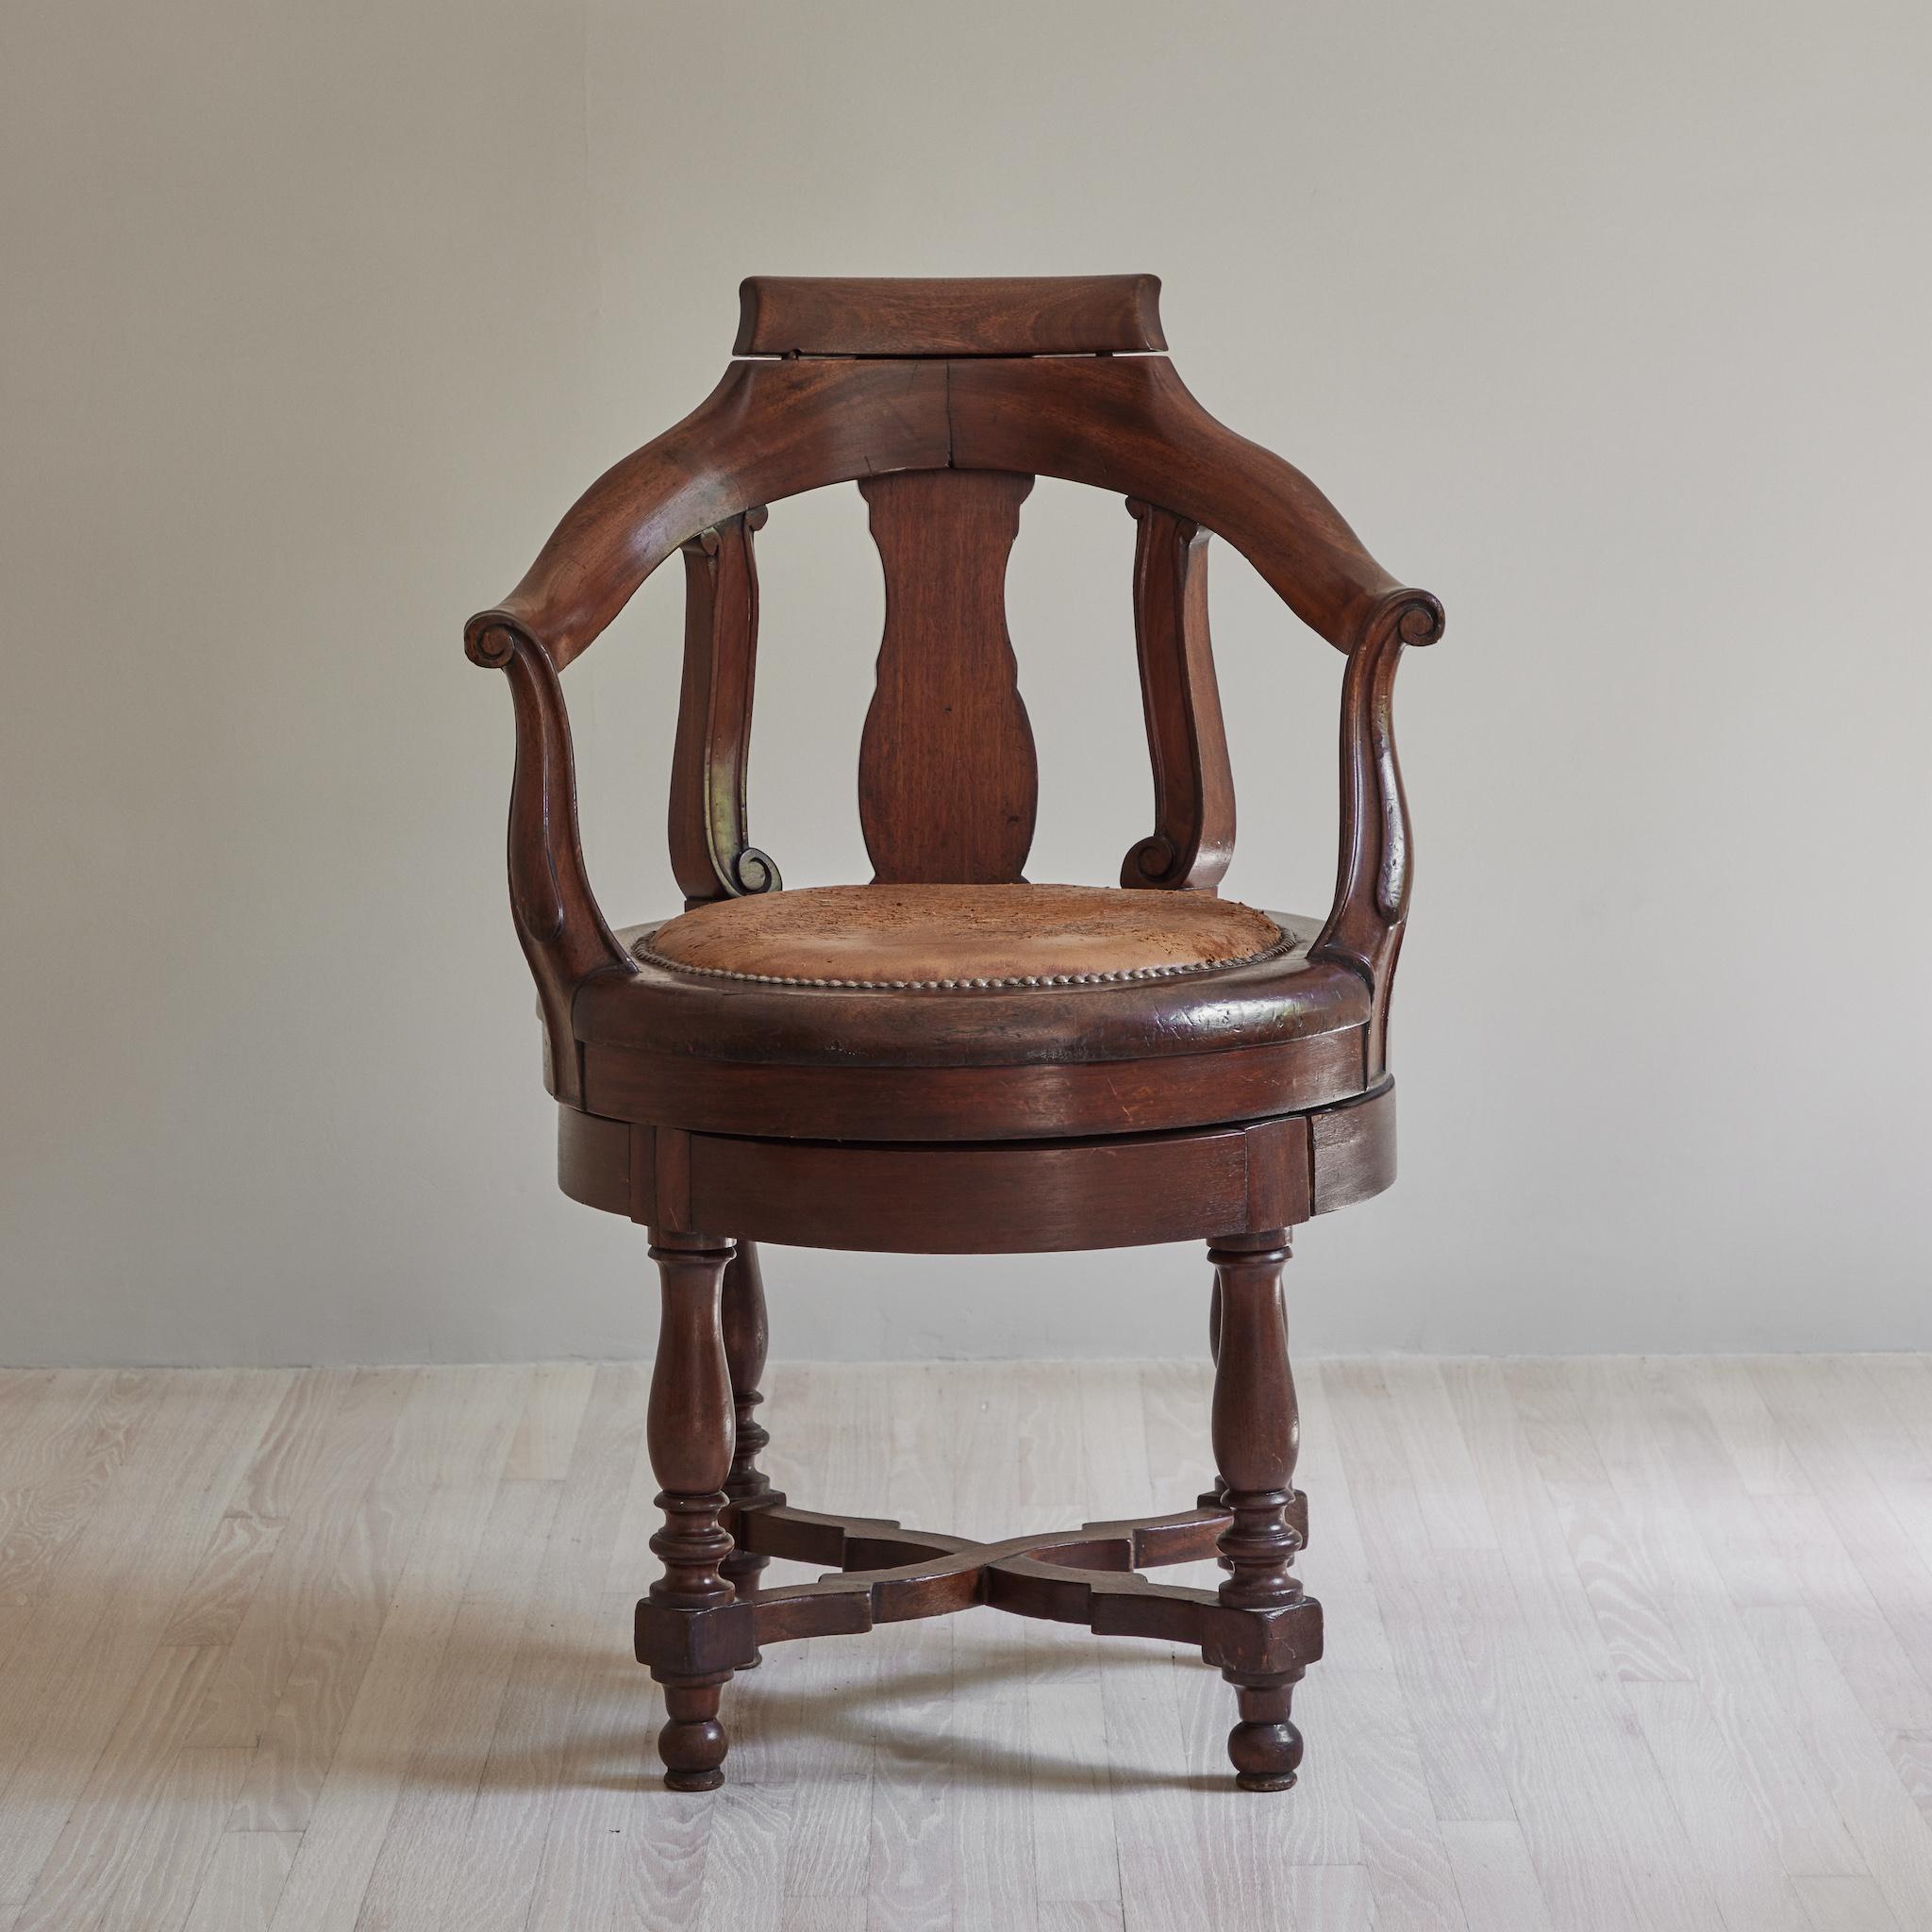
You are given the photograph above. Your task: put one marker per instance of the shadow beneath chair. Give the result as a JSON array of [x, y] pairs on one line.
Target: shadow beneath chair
[[600, 1731], [783, 1716], [523, 1701]]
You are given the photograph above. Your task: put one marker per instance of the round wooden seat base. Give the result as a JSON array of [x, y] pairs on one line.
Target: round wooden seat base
[[1009, 1197]]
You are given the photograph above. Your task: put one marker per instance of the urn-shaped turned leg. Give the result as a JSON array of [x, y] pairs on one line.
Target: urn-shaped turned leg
[[690, 1436], [1255, 1430]]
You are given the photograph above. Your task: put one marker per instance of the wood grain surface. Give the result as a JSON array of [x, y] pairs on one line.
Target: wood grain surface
[[966, 315]]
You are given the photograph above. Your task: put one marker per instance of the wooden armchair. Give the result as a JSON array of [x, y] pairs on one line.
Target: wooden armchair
[[950, 1059]]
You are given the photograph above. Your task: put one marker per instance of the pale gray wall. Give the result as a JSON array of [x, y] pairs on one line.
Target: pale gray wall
[[1608, 323]]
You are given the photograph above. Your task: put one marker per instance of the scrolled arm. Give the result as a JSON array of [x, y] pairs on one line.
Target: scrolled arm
[[564, 935], [1364, 928]]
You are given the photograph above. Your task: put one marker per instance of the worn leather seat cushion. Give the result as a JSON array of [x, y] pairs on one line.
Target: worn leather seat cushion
[[961, 937]]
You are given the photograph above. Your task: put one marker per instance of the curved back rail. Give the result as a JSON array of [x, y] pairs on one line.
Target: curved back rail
[[776, 430]]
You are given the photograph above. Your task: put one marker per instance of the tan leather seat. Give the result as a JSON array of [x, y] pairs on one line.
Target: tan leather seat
[[962, 937]]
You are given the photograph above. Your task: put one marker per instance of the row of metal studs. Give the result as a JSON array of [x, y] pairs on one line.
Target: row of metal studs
[[644, 952]]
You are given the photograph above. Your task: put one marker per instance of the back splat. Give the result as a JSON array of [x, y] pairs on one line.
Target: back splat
[[947, 780]]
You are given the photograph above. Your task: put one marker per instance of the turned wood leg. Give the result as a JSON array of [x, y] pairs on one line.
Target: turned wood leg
[[1256, 1427], [690, 1432], [745, 1355]]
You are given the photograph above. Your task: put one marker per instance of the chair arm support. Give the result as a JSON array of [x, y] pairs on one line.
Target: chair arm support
[[1364, 928], [564, 935]]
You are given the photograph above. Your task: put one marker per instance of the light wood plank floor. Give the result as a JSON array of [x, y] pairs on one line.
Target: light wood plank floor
[[1612, 1644]]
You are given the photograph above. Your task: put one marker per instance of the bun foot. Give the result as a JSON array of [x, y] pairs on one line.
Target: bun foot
[[1265, 1748], [692, 1744], [1264, 1756]]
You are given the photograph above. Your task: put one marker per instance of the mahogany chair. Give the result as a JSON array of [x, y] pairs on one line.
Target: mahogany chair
[[950, 1059]]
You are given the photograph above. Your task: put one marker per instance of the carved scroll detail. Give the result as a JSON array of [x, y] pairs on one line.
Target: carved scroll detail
[[1194, 789], [947, 781], [711, 854], [1364, 929], [563, 933]]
